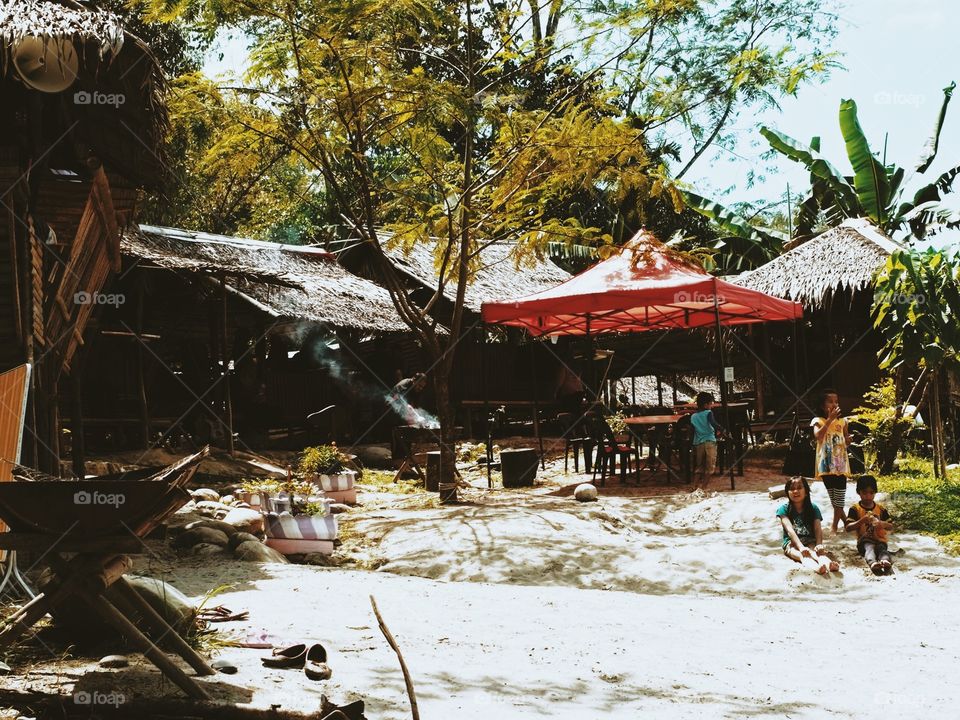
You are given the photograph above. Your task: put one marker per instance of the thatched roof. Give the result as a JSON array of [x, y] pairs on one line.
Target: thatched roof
[[843, 258], [124, 120], [497, 277], [40, 18], [285, 281]]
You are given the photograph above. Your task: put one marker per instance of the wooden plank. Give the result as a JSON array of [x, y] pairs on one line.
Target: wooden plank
[[14, 385]]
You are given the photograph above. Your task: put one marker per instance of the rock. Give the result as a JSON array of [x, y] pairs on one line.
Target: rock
[[170, 603], [241, 537], [776, 492], [241, 505], [205, 494], [321, 559], [220, 525], [212, 509], [245, 520], [585, 492], [206, 549], [114, 661], [228, 500], [207, 535], [337, 508], [224, 666], [258, 552]]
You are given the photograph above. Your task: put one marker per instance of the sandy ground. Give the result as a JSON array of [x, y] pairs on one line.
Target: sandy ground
[[527, 604]]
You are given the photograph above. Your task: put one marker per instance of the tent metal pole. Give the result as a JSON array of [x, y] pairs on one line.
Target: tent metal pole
[[723, 386], [536, 406], [486, 401]]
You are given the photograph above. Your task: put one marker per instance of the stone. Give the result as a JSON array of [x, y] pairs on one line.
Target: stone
[[317, 558], [375, 456], [194, 536], [114, 661], [205, 494], [228, 500], [206, 549], [170, 603], [585, 492], [337, 508], [258, 552], [209, 508], [245, 520], [776, 492], [241, 537], [220, 525], [224, 666]]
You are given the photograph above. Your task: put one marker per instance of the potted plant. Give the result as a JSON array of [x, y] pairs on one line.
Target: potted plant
[[618, 426], [298, 519], [327, 466]]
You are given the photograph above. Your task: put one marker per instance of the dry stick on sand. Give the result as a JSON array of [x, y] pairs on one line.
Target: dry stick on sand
[[403, 666]]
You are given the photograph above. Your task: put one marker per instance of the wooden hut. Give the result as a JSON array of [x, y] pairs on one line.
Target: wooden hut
[[217, 335], [832, 276], [81, 125]]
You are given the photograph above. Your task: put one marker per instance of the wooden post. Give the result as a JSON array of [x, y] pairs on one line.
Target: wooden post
[[225, 367], [77, 449], [141, 381], [659, 391]]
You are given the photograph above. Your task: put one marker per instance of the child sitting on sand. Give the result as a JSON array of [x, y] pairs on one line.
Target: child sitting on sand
[[872, 522], [802, 534]]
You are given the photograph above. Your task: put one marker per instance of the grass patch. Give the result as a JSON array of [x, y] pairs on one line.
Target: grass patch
[[382, 481], [924, 504]]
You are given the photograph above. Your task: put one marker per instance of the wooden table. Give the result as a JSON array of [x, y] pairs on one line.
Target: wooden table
[[653, 421]]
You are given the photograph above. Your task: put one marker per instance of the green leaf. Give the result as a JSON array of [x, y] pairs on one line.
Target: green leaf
[[817, 165], [869, 176], [929, 151], [729, 221]]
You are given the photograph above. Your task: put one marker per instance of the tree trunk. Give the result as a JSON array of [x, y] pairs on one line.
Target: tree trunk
[[888, 453], [445, 414]]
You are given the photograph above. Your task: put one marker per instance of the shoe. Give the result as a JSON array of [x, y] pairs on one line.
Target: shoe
[[293, 656], [876, 568], [316, 666], [352, 711]]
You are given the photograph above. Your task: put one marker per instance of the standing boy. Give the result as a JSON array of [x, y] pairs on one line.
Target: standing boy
[[872, 522], [705, 431]]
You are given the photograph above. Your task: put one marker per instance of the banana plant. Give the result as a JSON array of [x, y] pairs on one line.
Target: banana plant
[[874, 190], [743, 245]]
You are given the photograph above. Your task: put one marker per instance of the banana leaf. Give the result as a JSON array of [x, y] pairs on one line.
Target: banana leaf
[[869, 176], [730, 222], [929, 151], [817, 165]]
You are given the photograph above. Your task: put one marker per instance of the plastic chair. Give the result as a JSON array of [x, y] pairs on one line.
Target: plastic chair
[[609, 450]]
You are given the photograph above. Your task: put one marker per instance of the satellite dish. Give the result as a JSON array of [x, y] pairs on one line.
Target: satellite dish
[[45, 64]]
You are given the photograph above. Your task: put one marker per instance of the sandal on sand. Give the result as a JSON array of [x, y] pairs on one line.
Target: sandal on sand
[[876, 568], [293, 656], [316, 666], [887, 566]]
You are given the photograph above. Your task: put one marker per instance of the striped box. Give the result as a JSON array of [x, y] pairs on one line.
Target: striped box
[[337, 482], [300, 547], [300, 527], [347, 497]]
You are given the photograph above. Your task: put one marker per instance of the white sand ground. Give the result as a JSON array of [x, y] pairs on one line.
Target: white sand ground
[[522, 605]]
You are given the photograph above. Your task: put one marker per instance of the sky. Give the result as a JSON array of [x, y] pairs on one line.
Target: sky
[[898, 55]]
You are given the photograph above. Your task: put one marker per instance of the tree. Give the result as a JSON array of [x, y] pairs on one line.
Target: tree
[[874, 190], [917, 313]]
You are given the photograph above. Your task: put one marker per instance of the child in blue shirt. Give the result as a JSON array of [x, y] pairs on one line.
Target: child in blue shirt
[[705, 431]]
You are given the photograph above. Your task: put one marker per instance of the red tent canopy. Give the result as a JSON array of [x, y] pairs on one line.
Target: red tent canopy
[[645, 286]]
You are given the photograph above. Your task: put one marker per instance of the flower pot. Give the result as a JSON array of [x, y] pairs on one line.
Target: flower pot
[[300, 527], [342, 480]]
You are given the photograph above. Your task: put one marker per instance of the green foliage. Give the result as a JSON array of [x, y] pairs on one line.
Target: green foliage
[[322, 460], [617, 423], [921, 503], [879, 414], [742, 245], [917, 309], [874, 190]]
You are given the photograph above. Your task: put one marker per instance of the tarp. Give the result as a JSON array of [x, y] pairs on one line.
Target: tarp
[[644, 286]]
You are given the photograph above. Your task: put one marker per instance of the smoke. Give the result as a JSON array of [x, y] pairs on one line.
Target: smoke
[[322, 349]]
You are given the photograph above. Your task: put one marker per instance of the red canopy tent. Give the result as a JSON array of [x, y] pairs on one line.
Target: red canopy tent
[[645, 286]]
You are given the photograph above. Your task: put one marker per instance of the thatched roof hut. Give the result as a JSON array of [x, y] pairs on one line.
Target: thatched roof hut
[[114, 108], [844, 258], [501, 272], [284, 281]]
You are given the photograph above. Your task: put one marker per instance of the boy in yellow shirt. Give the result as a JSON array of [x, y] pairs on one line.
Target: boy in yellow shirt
[[871, 521]]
